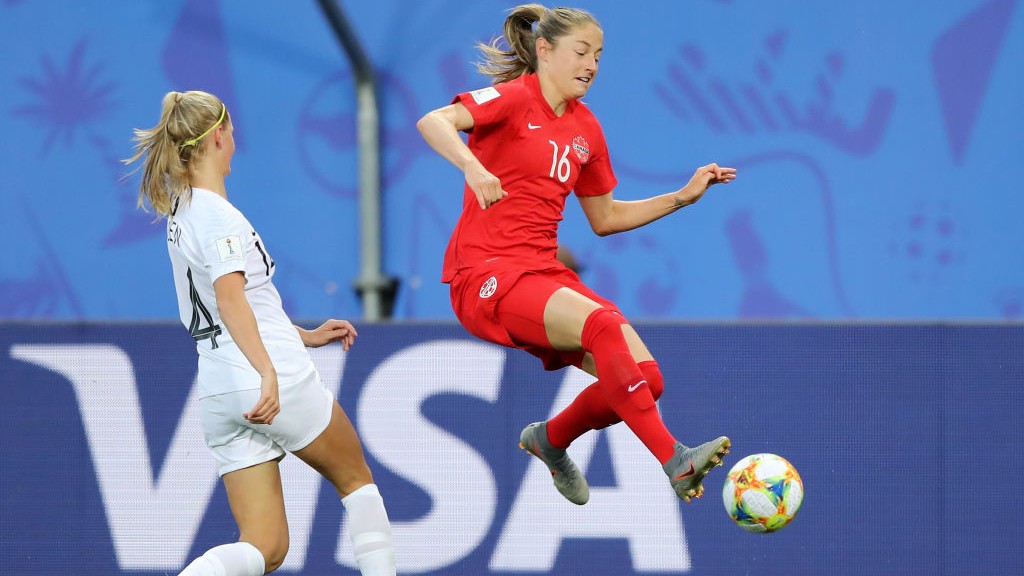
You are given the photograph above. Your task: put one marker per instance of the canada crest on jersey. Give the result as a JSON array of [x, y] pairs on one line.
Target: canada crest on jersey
[[581, 148]]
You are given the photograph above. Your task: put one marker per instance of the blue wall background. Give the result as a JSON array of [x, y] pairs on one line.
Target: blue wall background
[[878, 142]]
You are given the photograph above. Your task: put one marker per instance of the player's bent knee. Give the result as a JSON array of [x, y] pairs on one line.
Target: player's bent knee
[[602, 337], [275, 557], [273, 547], [652, 373], [597, 327]]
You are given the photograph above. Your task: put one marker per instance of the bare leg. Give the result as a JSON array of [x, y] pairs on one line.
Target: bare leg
[[564, 317], [257, 502], [337, 454], [574, 322]]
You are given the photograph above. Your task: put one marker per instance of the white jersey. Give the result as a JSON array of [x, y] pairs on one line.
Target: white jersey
[[207, 238]]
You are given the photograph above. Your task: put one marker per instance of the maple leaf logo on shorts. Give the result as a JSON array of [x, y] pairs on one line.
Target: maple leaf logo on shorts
[[489, 287]]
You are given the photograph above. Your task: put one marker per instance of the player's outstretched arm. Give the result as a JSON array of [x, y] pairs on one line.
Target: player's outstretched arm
[[609, 216]]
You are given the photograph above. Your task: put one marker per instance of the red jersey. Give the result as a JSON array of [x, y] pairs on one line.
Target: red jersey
[[539, 158]]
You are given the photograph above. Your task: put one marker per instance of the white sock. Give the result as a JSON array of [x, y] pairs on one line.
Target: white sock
[[371, 532], [238, 559]]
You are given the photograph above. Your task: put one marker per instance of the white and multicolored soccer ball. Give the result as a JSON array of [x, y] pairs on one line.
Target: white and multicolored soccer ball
[[763, 493]]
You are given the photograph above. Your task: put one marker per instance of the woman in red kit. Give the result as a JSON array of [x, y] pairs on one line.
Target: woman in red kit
[[532, 142]]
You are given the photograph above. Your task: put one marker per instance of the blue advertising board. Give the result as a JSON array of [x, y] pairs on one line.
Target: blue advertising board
[[907, 438]]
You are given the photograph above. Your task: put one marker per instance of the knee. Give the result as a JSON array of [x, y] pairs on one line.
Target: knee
[[274, 548], [652, 374], [274, 554], [596, 328]]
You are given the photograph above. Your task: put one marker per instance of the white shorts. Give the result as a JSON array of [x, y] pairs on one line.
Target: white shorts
[[236, 443]]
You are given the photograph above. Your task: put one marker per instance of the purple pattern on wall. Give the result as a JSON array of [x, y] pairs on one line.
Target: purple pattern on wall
[[962, 62], [638, 272], [326, 132], [41, 294], [67, 99], [194, 58], [747, 262], [1010, 303], [928, 243], [725, 105], [760, 298], [453, 74], [196, 54], [132, 224]]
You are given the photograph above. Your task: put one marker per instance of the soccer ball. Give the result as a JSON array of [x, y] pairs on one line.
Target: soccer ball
[[763, 493]]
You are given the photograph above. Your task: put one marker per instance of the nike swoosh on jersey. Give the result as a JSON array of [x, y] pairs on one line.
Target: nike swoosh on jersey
[[532, 126]]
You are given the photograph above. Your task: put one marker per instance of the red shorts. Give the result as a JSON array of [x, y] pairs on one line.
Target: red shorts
[[479, 300]]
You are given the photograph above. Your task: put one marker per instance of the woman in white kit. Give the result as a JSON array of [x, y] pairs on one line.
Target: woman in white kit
[[260, 394]]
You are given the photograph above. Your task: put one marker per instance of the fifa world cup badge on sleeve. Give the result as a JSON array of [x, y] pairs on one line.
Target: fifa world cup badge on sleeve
[[484, 95], [229, 248]]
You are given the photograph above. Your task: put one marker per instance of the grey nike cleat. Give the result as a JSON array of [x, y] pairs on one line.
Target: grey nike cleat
[[688, 466], [568, 478]]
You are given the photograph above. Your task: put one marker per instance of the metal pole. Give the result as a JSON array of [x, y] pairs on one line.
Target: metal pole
[[372, 285]]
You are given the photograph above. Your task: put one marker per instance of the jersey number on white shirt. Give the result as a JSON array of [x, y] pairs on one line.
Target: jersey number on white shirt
[[267, 260], [198, 308]]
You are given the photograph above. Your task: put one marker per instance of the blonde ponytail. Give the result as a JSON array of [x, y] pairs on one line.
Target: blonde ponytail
[[167, 148]]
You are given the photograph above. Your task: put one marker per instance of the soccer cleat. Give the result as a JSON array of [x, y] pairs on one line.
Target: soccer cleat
[[688, 466], [568, 478]]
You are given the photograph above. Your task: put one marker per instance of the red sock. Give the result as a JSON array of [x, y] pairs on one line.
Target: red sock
[[625, 389], [590, 411]]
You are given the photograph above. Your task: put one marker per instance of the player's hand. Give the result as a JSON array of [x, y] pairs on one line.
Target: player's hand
[[485, 186], [330, 331], [702, 179], [269, 404]]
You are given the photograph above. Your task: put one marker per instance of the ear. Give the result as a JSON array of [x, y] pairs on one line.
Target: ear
[[218, 136], [543, 48]]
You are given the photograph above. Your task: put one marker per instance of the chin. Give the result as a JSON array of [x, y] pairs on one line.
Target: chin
[[581, 90]]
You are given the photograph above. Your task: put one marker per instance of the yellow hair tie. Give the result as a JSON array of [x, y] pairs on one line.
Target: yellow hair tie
[[194, 141]]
